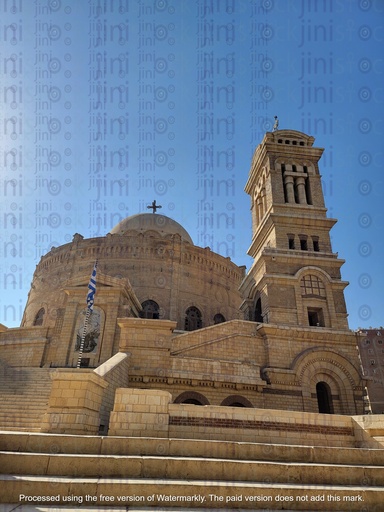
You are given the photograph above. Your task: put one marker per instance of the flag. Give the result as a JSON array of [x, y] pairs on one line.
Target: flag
[[92, 289]]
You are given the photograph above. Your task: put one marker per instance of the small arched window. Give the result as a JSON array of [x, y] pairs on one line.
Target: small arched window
[[191, 397], [218, 319], [193, 319], [236, 401], [39, 318], [324, 398], [258, 314], [150, 310]]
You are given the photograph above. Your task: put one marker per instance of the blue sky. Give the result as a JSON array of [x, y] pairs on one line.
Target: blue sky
[[107, 105]]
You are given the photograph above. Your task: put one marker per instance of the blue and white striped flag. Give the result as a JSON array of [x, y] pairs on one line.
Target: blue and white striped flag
[[92, 289]]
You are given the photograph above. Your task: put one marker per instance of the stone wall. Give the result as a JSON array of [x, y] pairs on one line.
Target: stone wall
[[23, 347], [150, 413]]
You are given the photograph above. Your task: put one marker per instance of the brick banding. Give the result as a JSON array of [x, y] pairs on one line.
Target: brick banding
[[256, 425]]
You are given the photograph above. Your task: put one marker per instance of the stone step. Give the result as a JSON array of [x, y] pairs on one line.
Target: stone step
[[241, 451], [25, 393], [196, 468], [30, 405], [16, 423], [15, 420], [191, 494], [11, 507], [19, 428], [24, 390], [30, 400], [21, 385], [6, 413], [34, 394]]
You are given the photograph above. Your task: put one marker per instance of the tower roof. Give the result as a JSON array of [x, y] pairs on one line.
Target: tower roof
[[151, 222]]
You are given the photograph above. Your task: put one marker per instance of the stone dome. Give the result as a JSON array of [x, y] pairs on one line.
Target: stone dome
[[151, 221]]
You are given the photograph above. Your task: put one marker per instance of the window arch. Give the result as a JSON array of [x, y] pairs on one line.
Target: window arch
[[236, 401], [324, 398], [150, 310], [219, 319], [191, 397], [39, 318], [193, 319]]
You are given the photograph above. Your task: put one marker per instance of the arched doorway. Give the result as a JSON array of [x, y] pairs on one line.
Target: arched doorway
[[324, 398]]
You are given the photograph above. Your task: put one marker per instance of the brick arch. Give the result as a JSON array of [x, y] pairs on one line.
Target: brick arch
[[254, 295], [314, 355], [310, 269], [319, 364], [233, 399], [191, 395], [335, 386]]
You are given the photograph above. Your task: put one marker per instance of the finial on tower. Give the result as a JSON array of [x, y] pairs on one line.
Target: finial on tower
[[276, 125]]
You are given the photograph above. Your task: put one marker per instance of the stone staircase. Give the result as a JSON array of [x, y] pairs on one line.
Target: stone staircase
[[24, 396], [184, 474]]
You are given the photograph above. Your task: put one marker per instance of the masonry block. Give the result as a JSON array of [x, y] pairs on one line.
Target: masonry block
[[74, 409]]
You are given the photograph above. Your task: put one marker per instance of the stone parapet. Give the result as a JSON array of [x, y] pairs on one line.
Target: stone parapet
[[23, 347], [140, 412], [75, 402], [148, 412], [115, 372]]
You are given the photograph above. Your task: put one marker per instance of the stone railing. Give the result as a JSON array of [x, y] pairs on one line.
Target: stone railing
[[81, 399]]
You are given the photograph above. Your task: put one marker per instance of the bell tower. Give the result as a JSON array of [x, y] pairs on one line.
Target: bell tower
[[295, 278]]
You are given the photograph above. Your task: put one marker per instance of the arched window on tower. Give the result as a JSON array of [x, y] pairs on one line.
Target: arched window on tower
[[324, 398], [218, 319], [312, 285], [150, 310], [39, 318], [193, 319], [258, 314]]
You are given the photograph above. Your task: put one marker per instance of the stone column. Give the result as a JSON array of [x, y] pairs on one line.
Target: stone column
[[300, 183], [289, 188], [260, 213]]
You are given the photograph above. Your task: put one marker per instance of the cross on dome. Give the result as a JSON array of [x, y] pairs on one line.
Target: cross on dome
[[154, 206]]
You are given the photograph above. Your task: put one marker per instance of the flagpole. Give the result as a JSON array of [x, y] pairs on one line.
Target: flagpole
[[90, 301], [81, 349]]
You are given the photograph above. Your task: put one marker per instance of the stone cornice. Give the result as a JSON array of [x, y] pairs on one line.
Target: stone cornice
[[303, 333], [137, 323]]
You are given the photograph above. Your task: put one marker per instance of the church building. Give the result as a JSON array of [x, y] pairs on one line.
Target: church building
[[192, 322], [184, 376]]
